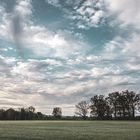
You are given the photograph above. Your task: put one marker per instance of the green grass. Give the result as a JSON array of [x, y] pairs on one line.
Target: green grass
[[69, 130]]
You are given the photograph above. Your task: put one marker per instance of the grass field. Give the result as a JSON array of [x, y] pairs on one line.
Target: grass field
[[69, 130]]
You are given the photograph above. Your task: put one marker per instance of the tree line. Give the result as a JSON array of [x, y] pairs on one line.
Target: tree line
[[28, 114], [20, 114], [116, 105]]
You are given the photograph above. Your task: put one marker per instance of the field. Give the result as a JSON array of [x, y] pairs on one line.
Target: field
[[69, 130]]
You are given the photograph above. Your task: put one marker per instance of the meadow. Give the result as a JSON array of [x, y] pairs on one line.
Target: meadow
[[69, 130]]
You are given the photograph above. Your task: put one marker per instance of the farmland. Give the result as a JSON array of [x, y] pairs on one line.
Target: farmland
[[69, 130]]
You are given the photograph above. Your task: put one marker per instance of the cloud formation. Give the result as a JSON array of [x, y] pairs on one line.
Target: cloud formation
[[84, 13], [125, 10], [63, 67]]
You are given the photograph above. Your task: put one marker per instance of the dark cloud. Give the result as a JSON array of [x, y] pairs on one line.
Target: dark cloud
[[17, 31]]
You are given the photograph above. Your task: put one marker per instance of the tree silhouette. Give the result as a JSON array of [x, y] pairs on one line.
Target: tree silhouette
[[113, 102], [124, 103], [31, 109], [57, 112], [100, 107], [82, 109]]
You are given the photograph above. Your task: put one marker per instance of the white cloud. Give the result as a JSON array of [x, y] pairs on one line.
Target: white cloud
[[47, 43], [67, 74], [132, 46], [23, 7], [38, 39], [127, 47], [90, 13], [85, 14], [127, 11], [32, 81], [4, 24]]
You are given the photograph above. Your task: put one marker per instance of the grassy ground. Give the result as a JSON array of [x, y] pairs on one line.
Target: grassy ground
[[69, 130]]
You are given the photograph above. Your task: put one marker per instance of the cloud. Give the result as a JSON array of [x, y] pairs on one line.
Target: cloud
[[126, 47], [124, 11], [18, 28], [20, 16], [43, 42], [24, 7], [55, 82], [12, 23], [92, 13], [88, 14], [4, 24], [58, 70], [84, 13]]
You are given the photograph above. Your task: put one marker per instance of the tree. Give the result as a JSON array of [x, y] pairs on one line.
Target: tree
[[100, 107], [40, 116], [124, 103], [10, 114], [82, 109], [113, 102], [31, 109], [2, 114], [57, 112], [118, 103], [22, 114], [132, 102], [31, 113]]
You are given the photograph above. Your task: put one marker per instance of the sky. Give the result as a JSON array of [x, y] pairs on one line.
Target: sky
[[55, 53]]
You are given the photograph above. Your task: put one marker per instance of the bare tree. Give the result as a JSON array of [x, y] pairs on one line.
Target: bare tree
[[82, 109], [31, 109]]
